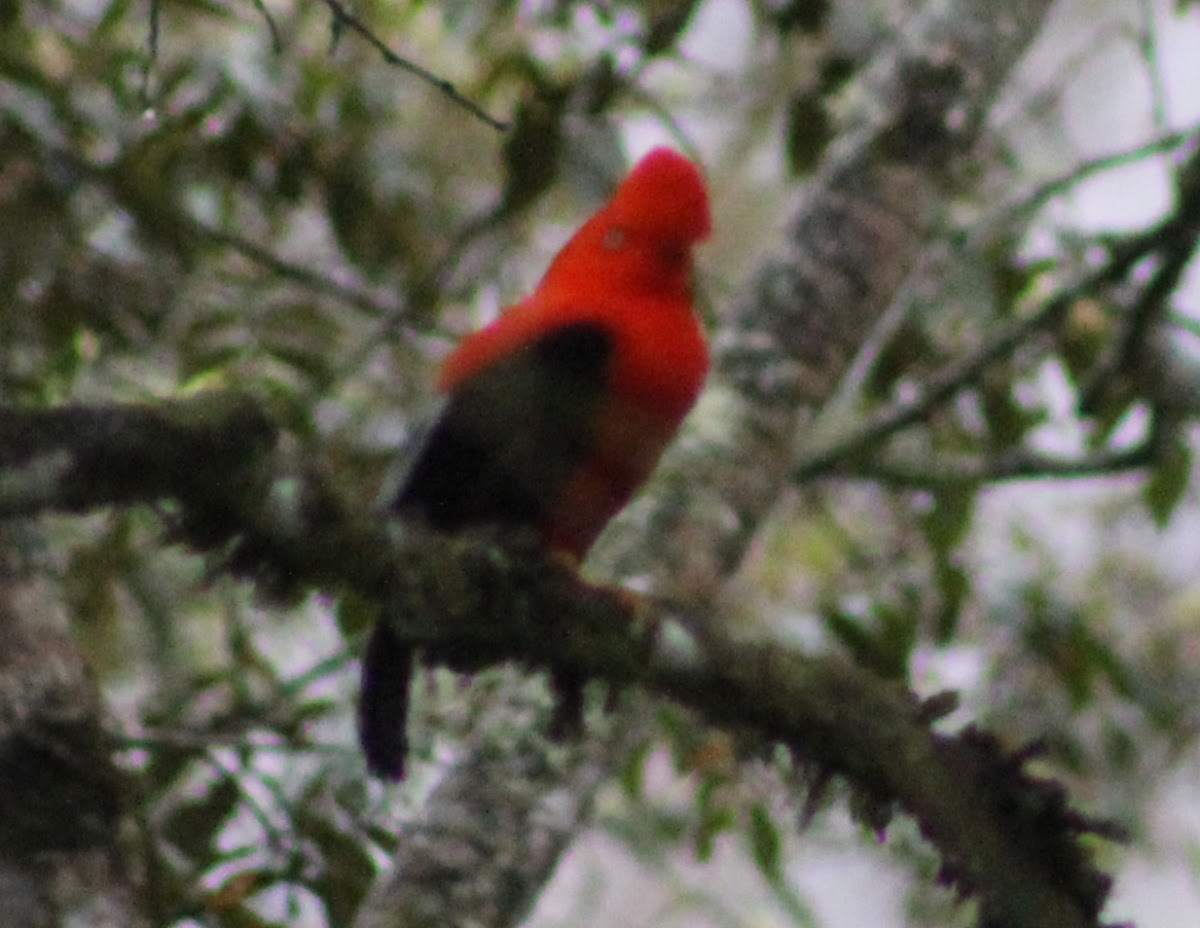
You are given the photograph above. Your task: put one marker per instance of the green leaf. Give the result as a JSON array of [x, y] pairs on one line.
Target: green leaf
[[355, 613], [1012, 278], [715, 817], [806, 16], [193, 827], [881, 640], [346, 869], [532, 148], [665, 22], [1165, 486], [809, 132], [766, 843], [212, 342], [632, 776], [1061, 635], [908, 348], [850, 633], [897, 634], [953, 585], [300, 335], [946, 524], [1008, 420]]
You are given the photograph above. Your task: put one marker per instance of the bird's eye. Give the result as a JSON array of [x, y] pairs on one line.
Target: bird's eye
[[614, 238]]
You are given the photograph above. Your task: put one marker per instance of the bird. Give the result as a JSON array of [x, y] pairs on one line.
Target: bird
[[559, 410]]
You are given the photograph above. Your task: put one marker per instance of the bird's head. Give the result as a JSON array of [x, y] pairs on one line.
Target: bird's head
[[641, 240]]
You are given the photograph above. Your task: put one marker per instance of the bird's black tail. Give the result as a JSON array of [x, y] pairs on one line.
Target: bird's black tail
[[387, 670]]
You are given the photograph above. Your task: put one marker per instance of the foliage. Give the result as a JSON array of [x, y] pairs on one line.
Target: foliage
[[255, 197]]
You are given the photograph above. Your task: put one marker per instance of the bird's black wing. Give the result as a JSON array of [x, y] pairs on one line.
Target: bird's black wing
[[499, 453], [510, 436]]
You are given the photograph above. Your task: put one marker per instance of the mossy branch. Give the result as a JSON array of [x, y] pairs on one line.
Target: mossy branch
[[1005, 837]]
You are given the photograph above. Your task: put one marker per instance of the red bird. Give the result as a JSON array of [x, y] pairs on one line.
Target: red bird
[[560, 409]]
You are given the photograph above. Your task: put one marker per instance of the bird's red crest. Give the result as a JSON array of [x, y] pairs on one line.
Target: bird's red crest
[[664, 194]]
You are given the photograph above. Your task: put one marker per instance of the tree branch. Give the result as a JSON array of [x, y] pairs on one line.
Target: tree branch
[[356, 296], [342, 17], [1174, 239], [508, 775], [1018, 464], [1030, 202], [1004, 836]]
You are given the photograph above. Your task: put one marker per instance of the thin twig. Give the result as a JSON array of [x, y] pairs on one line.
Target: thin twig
[[860, 370], [851, 386], [1141, 319], [1178, 236], [301, 274], [1146, 38], [964, 371], [344, 18], [151, 52], [1056, 186], [1021, 464], [276, 38], [200, 742], [938, 389], [1185, 321], [109, 177]]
